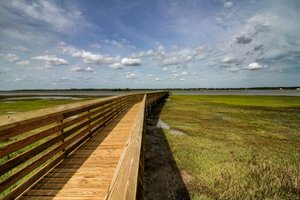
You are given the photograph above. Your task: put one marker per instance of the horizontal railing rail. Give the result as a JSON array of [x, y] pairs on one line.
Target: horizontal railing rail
[[32, 143]]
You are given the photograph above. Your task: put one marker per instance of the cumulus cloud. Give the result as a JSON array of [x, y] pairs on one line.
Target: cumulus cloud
[[123, 43], [131, 61], [87, 56], [171, 61], [268, 38], [254, 66], [113, 43], [175, 56], [180, 76], [179, 56], [12, 58], [81, 69], [227, 59], [228, 4], [51, 60], [184, 73], [220, 22], [116, 66], [23, 63], [130, 75]]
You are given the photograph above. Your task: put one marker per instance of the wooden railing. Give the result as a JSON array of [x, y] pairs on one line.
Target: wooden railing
[[32, 143], [128, 181]]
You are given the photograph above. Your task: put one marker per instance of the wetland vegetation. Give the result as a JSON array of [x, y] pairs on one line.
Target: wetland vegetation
[[231, 147], [236, 147]]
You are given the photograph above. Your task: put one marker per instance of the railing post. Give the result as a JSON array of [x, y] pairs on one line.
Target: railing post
[[89, 124], [61, 134]]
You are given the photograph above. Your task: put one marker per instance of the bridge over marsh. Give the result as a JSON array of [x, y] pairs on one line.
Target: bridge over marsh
[[87, 150]]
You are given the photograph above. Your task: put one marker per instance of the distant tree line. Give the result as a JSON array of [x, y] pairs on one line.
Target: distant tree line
[[151, 89]]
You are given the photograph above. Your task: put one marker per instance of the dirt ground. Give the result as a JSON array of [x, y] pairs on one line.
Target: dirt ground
[[163, 179]]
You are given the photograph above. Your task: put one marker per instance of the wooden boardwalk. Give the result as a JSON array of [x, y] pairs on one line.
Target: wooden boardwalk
[[87, 172]]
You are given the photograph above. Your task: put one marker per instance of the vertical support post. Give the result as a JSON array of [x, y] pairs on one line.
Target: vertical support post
[[89, 124], [62, 139]]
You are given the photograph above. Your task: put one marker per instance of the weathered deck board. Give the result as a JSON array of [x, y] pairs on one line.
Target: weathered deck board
[[88, 171]]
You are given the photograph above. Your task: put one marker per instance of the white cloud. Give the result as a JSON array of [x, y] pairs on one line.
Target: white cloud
[[51, 60], [12, 58], [267, 38], [131, 61], [220, 22], [171, 61], [49, 12], [165, 69], [228, 59], [64, 78], [19, 48], [176, 75], [157, 79], [228, 4], [81, 69], [116, 66], [88, 57], [89, 69], [177, 56], [18, 79], [254, 66], [23, 63], [130, 75], [143, 54], [184, 73], [114, 43]]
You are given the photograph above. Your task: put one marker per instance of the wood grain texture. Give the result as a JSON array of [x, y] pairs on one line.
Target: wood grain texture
[[87, 173]]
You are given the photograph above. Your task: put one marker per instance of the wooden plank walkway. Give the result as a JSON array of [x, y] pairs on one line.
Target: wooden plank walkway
[[88, 171]]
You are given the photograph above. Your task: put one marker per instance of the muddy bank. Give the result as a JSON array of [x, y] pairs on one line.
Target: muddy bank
[[163, 179]]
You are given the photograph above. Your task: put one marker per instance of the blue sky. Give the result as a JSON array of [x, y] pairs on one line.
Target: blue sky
[[149, 44]]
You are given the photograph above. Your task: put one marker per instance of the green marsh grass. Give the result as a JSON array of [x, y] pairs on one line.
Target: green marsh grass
[[237, 147], [8, 106]]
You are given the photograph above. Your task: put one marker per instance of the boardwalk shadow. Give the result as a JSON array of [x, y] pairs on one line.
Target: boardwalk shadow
[[163, 179]]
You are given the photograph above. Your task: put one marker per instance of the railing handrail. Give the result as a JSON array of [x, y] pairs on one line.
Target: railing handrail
[[118, 187], [7, 120]]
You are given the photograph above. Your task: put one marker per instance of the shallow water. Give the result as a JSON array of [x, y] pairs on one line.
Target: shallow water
[[238, 92], [164, 125]]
